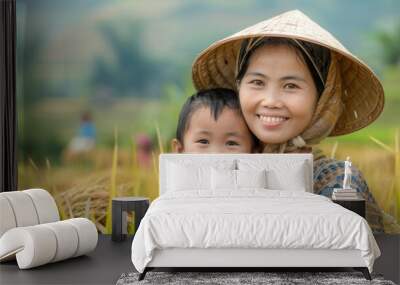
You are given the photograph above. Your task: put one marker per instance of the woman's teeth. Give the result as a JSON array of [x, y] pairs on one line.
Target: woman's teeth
[[271, 119]]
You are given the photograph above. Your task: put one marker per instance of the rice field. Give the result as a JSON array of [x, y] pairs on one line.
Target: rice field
[[84, 187]]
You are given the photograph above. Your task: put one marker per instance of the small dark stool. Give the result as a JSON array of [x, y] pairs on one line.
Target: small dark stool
[[120, 208]]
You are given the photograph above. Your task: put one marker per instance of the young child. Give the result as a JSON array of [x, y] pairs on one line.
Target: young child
[[211, 122]]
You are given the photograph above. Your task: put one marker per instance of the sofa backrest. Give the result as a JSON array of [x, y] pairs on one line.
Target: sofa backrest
[[285, 171], [26, 208]]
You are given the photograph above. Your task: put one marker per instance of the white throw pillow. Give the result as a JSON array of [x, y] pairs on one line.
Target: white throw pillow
[[227, 179], [251, 178], [290, 175], [181, 177], [188, 174], [294, 179], [223, 179]]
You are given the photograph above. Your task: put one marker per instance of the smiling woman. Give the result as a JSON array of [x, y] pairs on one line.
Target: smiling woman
[[277, 93], [297, 85]]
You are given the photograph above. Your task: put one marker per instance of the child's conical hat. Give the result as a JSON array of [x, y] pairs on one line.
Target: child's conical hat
[[363, 95]]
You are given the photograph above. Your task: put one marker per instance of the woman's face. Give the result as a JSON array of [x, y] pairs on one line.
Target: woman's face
[[277, 94]]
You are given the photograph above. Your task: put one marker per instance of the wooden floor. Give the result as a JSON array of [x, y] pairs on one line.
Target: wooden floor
[[111, 259]]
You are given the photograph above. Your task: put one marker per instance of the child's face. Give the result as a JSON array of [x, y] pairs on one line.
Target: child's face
[[229, 134], [277, 94]]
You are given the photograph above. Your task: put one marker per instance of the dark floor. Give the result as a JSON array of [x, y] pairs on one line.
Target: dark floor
[[111, 259], [103, 266], [389, 262]]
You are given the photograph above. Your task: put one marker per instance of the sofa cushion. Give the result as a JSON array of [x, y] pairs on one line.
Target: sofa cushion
[[40, 244]]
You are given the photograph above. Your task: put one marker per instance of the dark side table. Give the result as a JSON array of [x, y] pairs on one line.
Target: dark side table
[[120, 208], [355, 205]]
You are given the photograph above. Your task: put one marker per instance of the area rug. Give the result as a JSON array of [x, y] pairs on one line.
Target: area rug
[[229, 278]]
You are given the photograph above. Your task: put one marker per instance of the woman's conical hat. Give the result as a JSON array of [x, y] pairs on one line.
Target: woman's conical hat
[[362, 96]]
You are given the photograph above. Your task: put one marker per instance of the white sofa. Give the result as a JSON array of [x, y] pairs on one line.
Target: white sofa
[[31, 231]]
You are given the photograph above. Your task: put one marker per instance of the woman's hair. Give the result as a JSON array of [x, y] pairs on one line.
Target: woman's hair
[[316, 57]]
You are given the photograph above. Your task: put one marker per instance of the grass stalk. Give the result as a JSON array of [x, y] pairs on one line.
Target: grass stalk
[[397, 171], [160, 144], [113, 184]]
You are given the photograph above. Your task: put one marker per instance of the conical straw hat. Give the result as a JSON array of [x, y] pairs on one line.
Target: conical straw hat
[[362, 96]]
